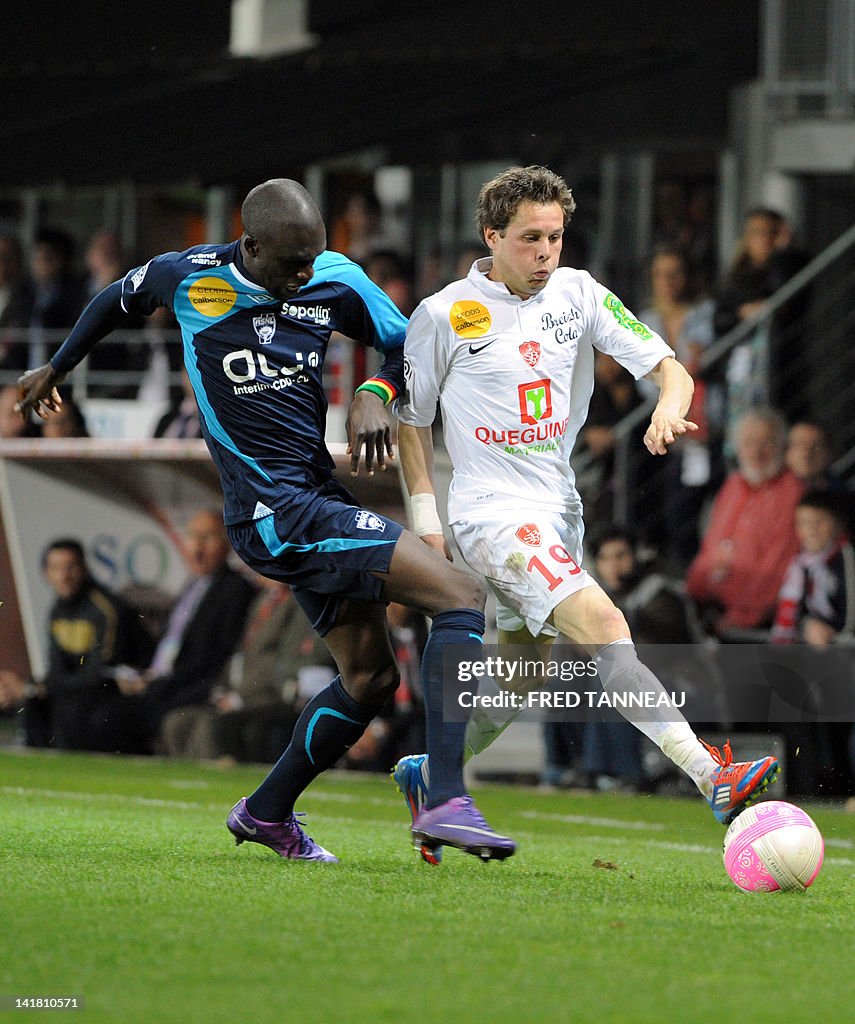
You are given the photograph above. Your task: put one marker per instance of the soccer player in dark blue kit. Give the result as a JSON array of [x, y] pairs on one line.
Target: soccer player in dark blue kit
[[256, 316]]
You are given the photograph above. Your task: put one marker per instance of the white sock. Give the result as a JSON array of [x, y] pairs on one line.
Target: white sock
[[619, 668]]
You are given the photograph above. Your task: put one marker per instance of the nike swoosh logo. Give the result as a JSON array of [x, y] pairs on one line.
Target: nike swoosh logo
[[465, 828], [249, 831], [474, 351]]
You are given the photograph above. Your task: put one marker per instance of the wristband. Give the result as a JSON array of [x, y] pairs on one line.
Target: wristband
[[379, 388], [425, 516]]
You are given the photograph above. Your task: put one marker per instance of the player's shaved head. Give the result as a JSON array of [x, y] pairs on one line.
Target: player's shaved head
[[277, 206], [284, 234]]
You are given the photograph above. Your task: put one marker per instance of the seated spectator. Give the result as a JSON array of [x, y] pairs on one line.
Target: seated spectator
[[77, 705], [816, 607], [750, 537], [809, 456], [16, 303], [816, 602], [68, 422], [203, 631], [250, 716], [59, 295]]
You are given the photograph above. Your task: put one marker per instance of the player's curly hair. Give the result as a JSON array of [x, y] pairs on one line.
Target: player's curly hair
[[500, 198]]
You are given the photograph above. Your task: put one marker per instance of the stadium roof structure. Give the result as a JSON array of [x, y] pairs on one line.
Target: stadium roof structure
[[149, 92]]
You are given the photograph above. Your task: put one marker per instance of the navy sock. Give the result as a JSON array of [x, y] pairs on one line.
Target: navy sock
[[329, 724], [460, 626]]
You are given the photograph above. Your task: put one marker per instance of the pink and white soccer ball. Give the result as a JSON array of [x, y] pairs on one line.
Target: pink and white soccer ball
[[773, 846]]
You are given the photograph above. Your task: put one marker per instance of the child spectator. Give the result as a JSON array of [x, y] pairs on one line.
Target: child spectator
[[816, 603]]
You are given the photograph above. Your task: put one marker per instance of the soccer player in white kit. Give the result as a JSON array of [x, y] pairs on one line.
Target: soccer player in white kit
[[508, 352]]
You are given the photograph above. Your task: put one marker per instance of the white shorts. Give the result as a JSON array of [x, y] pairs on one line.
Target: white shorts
[[530, 558]]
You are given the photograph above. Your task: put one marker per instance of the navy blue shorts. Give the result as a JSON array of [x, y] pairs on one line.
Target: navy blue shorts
[[324, 546]]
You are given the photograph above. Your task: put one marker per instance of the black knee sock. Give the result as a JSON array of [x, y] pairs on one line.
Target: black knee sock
[[329, 724], [460, 626]]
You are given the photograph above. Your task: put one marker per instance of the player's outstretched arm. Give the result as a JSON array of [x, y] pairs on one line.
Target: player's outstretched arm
[[416, 447], [37, 389], [668, 422]]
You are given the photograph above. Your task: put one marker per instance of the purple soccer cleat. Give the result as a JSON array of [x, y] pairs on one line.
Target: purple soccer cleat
[[286, 838], [459, 823]]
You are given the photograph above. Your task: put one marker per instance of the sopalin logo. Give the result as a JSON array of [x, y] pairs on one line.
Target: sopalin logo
[[535, 401], [315, 314]]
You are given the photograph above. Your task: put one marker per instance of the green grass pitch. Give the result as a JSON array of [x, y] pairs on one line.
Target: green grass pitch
[[120, 884]]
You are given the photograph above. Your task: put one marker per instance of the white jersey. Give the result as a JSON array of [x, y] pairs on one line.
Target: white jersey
[[514, 379]]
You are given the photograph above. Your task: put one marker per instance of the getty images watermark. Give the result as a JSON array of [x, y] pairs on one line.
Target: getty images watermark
[[726, 683], [510, 676]]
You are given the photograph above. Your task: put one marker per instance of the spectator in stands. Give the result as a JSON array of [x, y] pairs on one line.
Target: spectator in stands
[[181, 420], [251, 713], [693, 472], [203, 631], [387, 270], [90, 632], [809, 456], [358, 230], [816, 602], [750, 537], [105, 262], [70, 421], [766, 366], [59, 293], [16, 303]]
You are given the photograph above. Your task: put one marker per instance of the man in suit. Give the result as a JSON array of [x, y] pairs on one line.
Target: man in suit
[[203, 631]]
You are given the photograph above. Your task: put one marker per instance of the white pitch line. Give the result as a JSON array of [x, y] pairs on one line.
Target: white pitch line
[[584, 819]]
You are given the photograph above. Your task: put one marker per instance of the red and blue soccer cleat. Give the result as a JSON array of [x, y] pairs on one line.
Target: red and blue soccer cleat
[[412, 777], [737, 784], [286, 838]]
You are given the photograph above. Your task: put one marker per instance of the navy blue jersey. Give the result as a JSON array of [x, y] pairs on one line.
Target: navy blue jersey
[[256, 362]]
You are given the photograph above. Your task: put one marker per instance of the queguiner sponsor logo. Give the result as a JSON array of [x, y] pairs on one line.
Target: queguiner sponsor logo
[[526, 436]]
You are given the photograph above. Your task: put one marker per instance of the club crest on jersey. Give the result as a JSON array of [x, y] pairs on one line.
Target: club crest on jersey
[[529, 533], [366, 520], [530, 351], [265, 327]]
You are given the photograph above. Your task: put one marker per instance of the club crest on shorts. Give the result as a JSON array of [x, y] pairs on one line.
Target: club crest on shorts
[[530, 351], [265, 327], [366, 520], [529, 533]]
